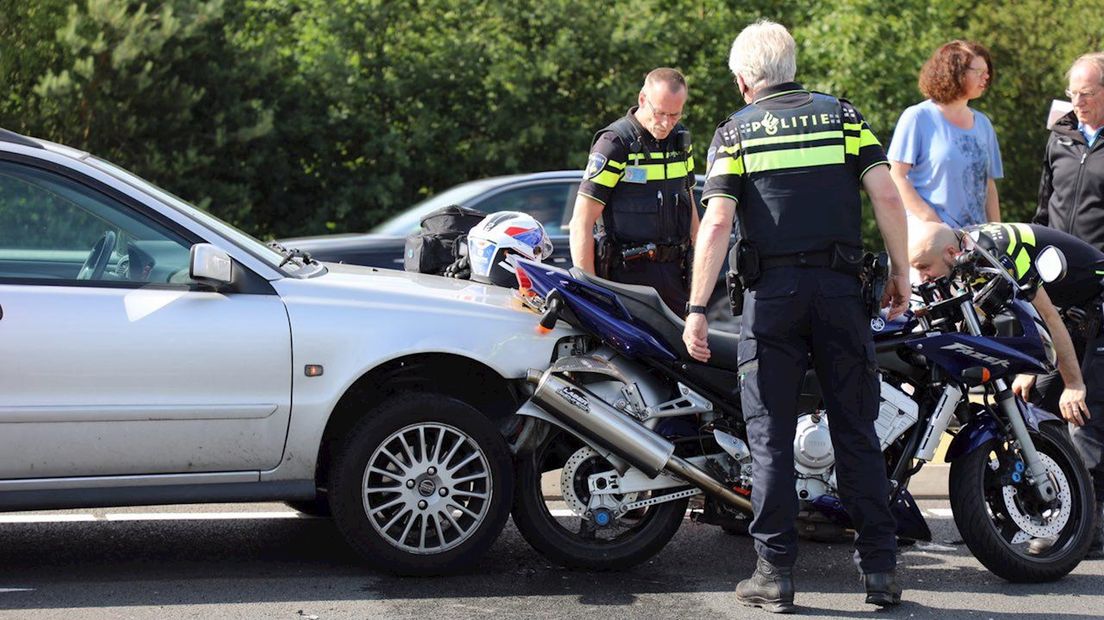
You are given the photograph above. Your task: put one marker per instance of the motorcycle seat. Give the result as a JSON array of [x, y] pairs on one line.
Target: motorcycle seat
[[648, 309]]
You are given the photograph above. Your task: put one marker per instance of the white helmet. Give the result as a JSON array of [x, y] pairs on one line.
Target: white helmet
[[499, 235]]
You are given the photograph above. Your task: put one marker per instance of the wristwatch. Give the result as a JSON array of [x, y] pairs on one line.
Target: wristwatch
[[691, 309]]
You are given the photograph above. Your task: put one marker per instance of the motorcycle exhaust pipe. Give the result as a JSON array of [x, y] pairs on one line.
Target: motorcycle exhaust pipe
[[593, 419]]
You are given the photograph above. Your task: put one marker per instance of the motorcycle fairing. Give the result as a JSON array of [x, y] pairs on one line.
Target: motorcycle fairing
[[983, 427], [910, 521], [955, 352], [599, 311]]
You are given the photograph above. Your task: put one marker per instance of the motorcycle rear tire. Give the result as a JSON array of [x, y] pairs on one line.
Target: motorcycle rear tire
[[565, 547], [967, 486]]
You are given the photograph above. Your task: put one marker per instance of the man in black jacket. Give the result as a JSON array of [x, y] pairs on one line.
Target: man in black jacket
[[1071, 199], [1071, 192]]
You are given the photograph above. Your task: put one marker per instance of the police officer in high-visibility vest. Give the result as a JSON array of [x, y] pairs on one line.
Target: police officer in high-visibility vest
[[639, 181], [793, 162], [1071, 308]]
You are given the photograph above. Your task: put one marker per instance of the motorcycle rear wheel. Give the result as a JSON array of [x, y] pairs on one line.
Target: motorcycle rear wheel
[[568, 539], [990, 516]]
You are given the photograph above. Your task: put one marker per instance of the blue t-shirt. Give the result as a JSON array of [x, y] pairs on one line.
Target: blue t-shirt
[[1089, 137], [951, 166]]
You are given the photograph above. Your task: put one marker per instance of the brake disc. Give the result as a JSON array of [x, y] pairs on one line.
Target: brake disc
[[574, 478], [1039, 526]]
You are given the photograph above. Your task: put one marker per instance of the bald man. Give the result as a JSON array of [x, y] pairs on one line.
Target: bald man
[[932, 251], [933, 248]]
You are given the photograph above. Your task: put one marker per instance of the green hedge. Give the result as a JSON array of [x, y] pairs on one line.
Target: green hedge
[[296, 117]]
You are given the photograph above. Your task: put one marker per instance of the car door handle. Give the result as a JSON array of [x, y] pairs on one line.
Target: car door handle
[[1, 312]]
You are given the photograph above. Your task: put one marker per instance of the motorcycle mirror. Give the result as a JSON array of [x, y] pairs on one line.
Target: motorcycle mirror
[[1051, 264]]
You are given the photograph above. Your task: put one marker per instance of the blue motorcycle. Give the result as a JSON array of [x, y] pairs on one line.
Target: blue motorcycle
[[624, 429]]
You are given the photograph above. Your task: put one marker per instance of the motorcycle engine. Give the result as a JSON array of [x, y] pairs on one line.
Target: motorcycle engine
[[814, 458], [813, 444]]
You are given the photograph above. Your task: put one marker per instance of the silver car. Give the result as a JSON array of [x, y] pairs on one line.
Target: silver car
[[154, 354]]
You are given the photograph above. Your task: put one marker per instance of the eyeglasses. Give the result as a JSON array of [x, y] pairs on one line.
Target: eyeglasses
[[673, 117], [1084, 94], [977, 71]]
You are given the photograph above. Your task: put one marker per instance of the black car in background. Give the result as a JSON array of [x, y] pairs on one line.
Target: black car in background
[[547, 196]]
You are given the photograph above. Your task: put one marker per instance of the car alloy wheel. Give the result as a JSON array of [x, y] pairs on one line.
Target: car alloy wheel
[[427, 488]]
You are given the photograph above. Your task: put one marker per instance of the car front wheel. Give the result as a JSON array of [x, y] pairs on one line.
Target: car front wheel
[[422, 485]]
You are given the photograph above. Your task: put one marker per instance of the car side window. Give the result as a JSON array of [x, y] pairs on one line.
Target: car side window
[[565, 221], [55, 230], [546, 202]]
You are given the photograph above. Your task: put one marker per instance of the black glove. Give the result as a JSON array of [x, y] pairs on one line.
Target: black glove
[[460, 269]]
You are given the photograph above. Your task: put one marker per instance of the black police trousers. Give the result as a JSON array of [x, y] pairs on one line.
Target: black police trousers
[[790, 314], [665, 277], [1089, 438]]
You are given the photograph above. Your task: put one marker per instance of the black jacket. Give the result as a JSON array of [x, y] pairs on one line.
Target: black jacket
[[1071, 191]]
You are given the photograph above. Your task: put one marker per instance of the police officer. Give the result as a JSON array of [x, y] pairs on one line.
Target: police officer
[[1071, 308], [793, 161], [638, 180]]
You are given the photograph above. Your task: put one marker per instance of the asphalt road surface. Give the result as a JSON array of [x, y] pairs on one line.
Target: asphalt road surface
[[264, 561]]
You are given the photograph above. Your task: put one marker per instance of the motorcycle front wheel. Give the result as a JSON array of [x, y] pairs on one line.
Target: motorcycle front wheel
[[551, 496], [999, 518]]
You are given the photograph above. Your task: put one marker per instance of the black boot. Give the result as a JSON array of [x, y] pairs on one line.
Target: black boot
[[882, 589], [1096, 547], [770, 587]]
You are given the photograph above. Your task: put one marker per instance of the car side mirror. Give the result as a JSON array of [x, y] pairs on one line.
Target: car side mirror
[[210, 265], [1051, 264]]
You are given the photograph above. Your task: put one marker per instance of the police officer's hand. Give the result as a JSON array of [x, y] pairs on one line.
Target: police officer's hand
[[896, 295], [1022, 386], [1072, 404], [695, 337]]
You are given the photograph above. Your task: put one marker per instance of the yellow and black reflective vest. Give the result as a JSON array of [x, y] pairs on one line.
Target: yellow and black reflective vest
[[1017, 245], [643, 183], [793, 161]]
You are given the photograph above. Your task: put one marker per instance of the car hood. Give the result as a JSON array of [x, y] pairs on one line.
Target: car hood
[[357, 241], [405, 292]]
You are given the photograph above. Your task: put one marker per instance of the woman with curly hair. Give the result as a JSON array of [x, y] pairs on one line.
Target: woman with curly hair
[[944, 154]]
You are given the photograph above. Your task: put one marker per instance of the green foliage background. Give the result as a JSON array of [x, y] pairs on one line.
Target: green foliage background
[[291, 117]]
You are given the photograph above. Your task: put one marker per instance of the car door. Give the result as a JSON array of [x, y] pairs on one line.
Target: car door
[[116, 362]]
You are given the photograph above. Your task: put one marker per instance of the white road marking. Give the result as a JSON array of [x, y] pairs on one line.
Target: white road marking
[[930, 512], [226, 516], [6, 590], [45, 518], [202, 516], [931, 546], [564, 512]]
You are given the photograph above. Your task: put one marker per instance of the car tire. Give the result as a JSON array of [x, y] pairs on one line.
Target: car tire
[[317, 507], [422, 485]]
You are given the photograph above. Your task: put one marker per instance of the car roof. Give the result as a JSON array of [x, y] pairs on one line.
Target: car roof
[[15, 138], [11, 137], [463, 194]]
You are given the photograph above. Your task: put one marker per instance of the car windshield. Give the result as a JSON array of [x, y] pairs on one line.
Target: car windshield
[[267, 253], [410, 220]]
